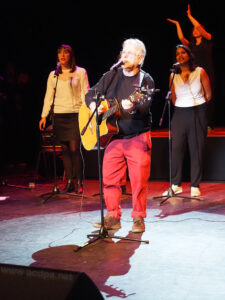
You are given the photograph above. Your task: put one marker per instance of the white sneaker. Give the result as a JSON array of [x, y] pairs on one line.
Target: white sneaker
[[195, 192], [176, 189]]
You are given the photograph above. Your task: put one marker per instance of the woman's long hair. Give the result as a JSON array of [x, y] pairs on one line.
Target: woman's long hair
[[72, 61]]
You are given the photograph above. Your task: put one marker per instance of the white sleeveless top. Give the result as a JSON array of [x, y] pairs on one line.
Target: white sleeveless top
[[189, 93]]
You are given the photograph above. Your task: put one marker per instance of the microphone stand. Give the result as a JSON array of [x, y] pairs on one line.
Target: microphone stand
[[55, 190], [103, 233], [171, 193]]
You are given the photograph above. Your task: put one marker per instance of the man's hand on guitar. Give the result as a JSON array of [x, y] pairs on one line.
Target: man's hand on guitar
[[127, 105], [108, 126], [92, 107]]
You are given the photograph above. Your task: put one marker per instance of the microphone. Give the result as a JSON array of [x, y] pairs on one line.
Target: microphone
[[57, 69], [175, 67], [117, 64]]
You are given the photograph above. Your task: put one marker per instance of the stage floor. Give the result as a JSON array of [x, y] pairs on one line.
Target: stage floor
[[184, 258]]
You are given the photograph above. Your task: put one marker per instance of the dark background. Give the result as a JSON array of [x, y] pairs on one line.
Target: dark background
[[31, 33]]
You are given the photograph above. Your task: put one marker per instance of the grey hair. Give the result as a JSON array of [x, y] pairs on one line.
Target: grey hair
[[139, 45]]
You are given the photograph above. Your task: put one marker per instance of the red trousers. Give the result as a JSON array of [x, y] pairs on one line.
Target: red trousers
[[134, 153]]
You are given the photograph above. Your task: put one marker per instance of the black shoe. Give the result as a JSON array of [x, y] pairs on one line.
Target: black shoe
[[79, 187], [70, 187]]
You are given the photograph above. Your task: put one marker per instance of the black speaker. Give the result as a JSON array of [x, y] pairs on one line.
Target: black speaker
[[26, 283]]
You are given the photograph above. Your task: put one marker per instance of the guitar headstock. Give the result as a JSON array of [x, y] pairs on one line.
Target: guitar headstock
[[139, 97]]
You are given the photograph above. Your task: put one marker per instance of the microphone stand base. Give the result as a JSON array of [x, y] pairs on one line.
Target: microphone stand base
[[171, 194], [103, 234], [56, 191]]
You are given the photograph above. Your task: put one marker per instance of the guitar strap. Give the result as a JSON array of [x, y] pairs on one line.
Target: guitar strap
[[138, 82], [141, 77]]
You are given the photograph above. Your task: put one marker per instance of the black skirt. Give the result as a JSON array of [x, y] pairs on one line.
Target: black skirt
[[66, 127]]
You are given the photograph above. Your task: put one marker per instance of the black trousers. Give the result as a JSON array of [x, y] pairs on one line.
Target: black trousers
[[189, 129]]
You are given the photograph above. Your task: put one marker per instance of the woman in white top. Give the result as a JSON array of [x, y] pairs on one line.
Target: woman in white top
[[72, 85], [201, 45], [191, 91]]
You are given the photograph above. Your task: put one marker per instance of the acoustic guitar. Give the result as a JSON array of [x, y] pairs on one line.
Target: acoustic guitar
[[108, 127]]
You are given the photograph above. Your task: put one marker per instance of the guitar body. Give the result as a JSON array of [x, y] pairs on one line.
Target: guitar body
[[107, 129]]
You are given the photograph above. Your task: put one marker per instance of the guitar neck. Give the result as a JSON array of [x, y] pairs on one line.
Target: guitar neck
[[136, 97], [111, 111]]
